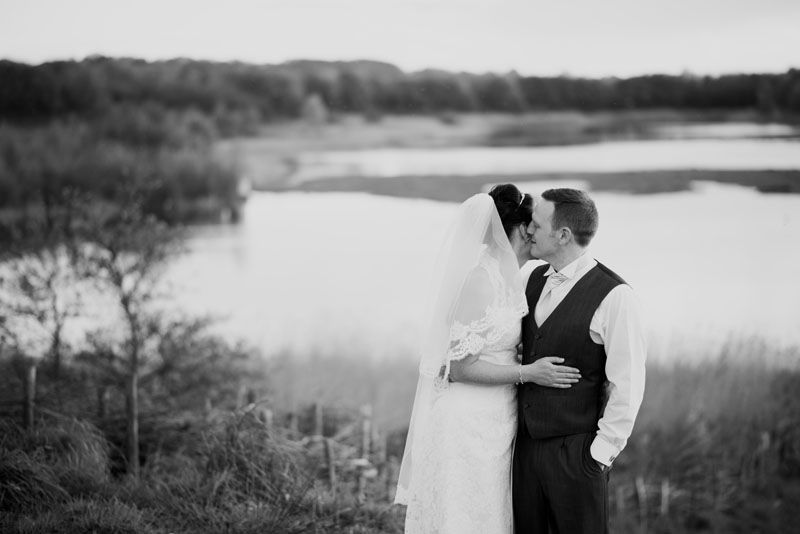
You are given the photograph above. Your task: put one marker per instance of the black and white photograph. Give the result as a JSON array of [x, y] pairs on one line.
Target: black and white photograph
[[399, 267]]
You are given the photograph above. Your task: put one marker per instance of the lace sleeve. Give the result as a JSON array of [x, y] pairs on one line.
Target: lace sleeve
[[471, 322]]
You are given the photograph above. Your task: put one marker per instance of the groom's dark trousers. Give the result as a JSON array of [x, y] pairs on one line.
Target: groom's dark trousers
[[558, 487]]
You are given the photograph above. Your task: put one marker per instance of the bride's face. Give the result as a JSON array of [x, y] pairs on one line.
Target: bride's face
[[520, 242]]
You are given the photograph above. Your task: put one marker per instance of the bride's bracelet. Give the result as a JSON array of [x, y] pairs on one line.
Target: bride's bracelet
[[519, 370]]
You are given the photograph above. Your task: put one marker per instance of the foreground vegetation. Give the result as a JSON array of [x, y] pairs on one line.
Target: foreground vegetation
[[716, 448], [232, 475]]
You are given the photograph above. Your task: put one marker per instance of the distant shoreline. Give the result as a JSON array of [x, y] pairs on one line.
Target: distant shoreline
[[272, 160], [457, 188]]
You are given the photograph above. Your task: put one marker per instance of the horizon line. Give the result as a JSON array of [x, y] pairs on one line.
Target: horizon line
[[565, 74]]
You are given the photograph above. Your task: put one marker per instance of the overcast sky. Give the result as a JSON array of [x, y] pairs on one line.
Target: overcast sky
[[533, 37]]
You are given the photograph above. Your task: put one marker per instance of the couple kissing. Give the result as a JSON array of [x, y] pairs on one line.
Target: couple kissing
[[502, 442]]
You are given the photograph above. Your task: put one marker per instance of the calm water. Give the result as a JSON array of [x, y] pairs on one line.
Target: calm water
[[347, 273]]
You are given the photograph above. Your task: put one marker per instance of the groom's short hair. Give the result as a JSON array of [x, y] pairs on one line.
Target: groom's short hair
[[574, 209]]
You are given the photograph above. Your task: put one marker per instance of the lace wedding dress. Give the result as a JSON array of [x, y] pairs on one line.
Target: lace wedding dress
[[466, 456]]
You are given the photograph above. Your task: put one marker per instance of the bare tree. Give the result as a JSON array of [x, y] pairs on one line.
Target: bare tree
[[183, 366], [39, 282], [39, 290], [39, 293], [125, 252]]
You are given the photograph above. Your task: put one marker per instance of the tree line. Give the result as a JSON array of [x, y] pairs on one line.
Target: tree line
[[96, 124], [242, 94]]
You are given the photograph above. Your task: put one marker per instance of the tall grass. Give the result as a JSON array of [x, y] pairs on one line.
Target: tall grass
[[236, 476], [716, 448], [719, 428], [723, 435]]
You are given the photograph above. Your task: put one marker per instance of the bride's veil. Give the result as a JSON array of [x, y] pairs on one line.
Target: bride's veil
[[476, 230]]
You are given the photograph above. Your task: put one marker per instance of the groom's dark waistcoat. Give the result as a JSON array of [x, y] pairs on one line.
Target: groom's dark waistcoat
[[549, 412]]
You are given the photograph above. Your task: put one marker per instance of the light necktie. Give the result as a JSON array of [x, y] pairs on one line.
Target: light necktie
[[545, 306], [554, 280]]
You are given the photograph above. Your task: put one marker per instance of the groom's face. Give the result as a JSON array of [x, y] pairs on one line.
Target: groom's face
[[544, 242]]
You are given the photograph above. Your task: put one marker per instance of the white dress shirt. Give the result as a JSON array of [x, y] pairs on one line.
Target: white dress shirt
[[617, 325]]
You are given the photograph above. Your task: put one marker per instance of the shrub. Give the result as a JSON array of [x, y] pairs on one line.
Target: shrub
[[27, 484], [107, 517], [65, 444]]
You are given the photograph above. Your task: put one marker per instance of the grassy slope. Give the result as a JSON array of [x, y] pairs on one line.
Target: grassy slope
[[724, 435]]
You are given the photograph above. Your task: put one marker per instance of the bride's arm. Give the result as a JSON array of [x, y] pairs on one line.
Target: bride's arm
[[543, 371], [468, 337]]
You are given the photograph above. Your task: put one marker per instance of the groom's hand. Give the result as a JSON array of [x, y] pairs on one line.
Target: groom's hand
[[547, 372]]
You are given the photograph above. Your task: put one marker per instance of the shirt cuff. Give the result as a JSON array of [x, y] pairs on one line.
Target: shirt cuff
[[602, 451]]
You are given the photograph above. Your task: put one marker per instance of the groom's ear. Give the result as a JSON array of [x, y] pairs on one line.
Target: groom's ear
[[565, 235]]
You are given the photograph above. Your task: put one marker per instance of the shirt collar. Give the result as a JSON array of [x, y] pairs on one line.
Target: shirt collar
[[571, 269]]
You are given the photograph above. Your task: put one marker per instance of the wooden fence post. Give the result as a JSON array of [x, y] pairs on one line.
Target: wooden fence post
[[378, 447], [330, 459], [641, 496], [240, 397], [392, 469], [29, 401], [366, 430], [665, 497], [102, 402], [267, 417], [318, 420], [366, 438], [294, 424]]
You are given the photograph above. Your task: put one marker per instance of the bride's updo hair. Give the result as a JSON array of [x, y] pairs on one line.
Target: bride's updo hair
[[514, 207]]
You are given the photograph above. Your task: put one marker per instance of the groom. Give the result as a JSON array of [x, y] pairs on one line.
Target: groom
[[583, 312]]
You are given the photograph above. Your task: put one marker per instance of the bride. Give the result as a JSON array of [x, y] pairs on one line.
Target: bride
[[456, 471]]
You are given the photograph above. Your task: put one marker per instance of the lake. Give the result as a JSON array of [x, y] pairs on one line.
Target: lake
[[347, 273]]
